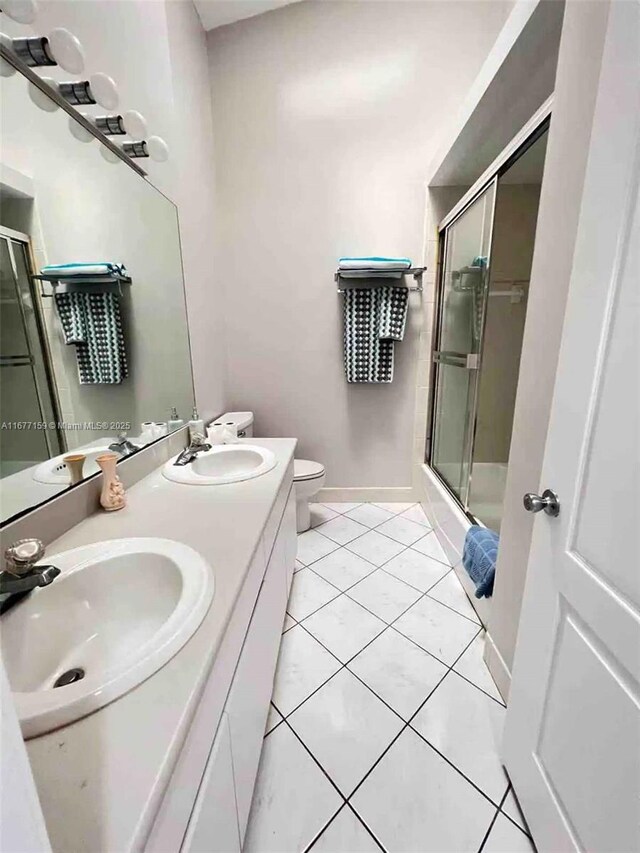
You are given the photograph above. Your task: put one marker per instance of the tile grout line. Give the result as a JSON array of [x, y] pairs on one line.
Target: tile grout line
[[508, 816], [388, 625], [346, 800], [406, 723], [344, 806], [365, 503], [345, 665], [395, 577], [423, 594], [493, 820], [427, 530]]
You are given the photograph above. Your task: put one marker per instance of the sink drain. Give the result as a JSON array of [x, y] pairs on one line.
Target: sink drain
[[69, 677]]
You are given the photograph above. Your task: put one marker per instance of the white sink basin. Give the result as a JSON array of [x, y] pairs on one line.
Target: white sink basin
[[225, 463], [55, 472], [119, 611]]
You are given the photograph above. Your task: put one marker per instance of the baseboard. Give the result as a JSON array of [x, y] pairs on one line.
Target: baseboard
[[497, 667], [404, 494]]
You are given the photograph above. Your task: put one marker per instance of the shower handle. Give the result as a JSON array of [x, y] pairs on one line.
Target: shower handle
[[548, 502]]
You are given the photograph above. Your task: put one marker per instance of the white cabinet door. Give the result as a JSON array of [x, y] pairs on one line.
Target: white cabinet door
[[213, 827], [572, 734], [289, 535], [248, 703]]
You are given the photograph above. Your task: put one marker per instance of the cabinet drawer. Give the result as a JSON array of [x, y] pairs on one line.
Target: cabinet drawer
[[248, 703], [213, 827]]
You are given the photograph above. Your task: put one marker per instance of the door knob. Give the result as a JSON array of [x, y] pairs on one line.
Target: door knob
[[547, 502]]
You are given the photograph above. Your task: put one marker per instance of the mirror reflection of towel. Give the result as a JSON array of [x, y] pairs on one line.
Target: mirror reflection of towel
[[92, 323]]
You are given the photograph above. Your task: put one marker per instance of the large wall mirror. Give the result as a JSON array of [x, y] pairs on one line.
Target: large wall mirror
[[83, 359]]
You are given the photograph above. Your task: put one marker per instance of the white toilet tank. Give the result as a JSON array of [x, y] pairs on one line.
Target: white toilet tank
[[242, 420]]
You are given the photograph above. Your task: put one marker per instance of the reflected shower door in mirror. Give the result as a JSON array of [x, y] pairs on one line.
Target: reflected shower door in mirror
[[88, 353], [459, 340]]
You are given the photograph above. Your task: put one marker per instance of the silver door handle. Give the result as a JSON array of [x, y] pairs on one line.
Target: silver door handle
[[547, 502]]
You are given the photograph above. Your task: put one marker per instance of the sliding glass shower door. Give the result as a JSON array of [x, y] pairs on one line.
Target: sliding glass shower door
[[463, 297]]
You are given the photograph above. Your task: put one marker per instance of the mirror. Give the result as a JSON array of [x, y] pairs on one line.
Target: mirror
[[84, 359]]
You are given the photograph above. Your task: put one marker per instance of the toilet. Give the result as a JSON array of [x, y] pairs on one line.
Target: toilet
[[308, 477]]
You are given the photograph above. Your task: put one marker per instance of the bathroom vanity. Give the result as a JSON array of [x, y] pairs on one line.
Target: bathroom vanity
[[171, 764]]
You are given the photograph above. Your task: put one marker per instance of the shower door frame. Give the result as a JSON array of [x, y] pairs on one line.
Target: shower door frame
[[527, 136], [436, 356], [54, 439]]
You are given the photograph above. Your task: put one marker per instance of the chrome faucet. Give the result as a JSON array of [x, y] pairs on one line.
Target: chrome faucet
[[21, 575], [198, 445], [123, 446]]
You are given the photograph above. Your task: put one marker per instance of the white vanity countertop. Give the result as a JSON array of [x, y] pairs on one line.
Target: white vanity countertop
[[99, 779]]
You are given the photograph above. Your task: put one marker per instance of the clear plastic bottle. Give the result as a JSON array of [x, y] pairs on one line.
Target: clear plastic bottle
[[196, 425]]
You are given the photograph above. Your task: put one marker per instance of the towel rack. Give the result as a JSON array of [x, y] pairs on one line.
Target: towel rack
[[384, 275], [56, 280]]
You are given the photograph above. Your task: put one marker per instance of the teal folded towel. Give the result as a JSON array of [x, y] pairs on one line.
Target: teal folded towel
[[93, 269], [374, 263], [479, 558]]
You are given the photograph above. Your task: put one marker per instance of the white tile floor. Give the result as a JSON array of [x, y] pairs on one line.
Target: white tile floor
[[385, 723]]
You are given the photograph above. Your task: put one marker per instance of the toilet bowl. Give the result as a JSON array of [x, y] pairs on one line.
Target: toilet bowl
[[308, 479]]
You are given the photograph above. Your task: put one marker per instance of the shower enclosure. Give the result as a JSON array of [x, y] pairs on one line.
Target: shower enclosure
[[27, 387], [486, 254]]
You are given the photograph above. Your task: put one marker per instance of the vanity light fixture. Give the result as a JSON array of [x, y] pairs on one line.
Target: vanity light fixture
[[131, 123], [158, 149], [155, 147], [98, 89], [22, 11], [61, 48]]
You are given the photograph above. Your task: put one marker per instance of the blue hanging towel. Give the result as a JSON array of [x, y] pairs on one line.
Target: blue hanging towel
[[479, 558]]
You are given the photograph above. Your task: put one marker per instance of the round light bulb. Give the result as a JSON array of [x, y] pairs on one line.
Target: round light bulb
[[22, 11], [67, 50], [109, 155], [158, 149], [79, 131], [104, 90], [135, 124], [41, 99]]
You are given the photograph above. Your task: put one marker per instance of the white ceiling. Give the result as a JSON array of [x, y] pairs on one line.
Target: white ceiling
[[217, 13]]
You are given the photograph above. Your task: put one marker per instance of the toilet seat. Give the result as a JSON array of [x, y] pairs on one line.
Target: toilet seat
[[304, 469]]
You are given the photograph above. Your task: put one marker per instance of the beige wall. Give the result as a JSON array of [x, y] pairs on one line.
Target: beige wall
[[577, 77], [326, 116]]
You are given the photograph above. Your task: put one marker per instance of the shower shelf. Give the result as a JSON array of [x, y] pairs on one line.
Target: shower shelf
[[384, 276], [83, 280]]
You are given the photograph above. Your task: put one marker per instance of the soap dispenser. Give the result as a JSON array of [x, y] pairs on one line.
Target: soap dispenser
[[196, 424], [175, 421]]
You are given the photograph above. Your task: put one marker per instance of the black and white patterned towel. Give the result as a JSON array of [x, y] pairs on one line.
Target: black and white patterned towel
[[374, 318], [92, 322]]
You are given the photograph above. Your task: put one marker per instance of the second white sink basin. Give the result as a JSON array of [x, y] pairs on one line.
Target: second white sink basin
[[54, 471], [118, 612], [224, 463]]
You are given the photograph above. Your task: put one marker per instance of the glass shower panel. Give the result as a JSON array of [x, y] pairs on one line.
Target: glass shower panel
[[514, 232], [462, 306], [20, 397]]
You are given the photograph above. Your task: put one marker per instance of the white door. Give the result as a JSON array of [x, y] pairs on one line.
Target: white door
[[572, 735]]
